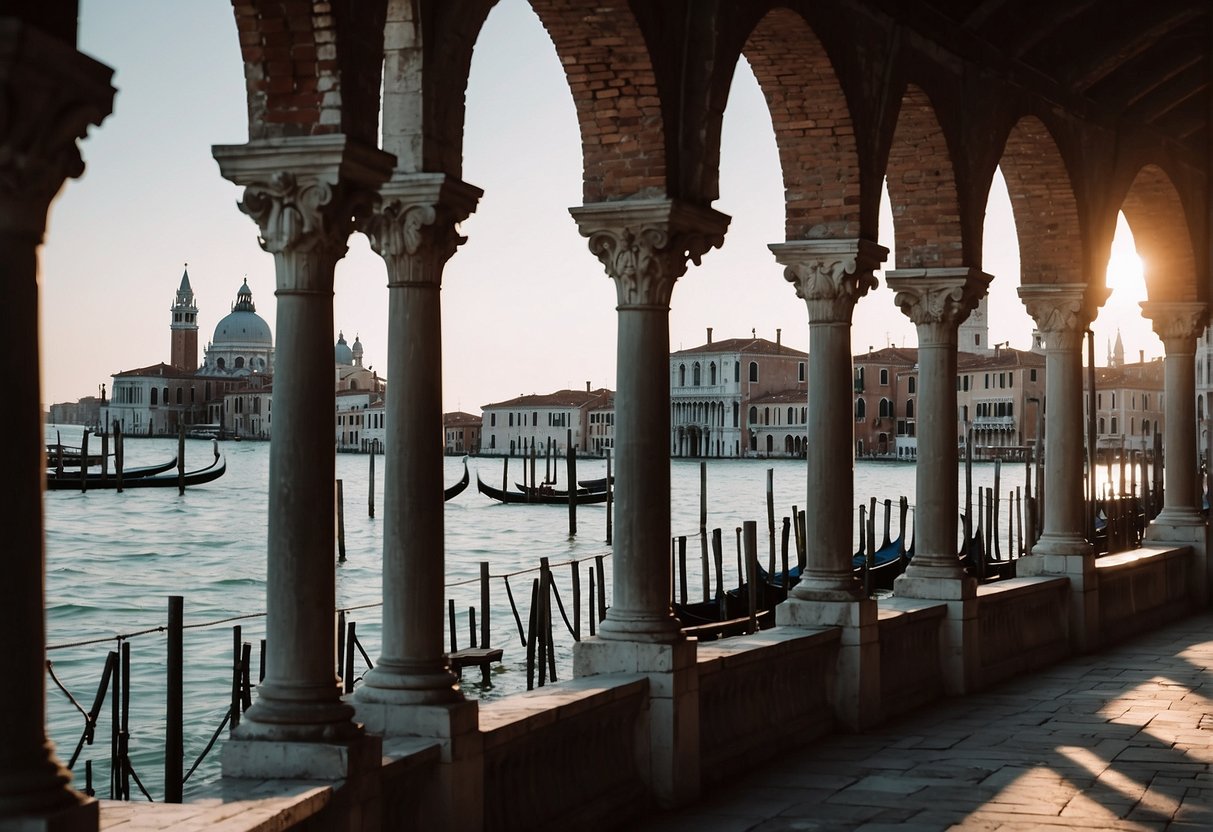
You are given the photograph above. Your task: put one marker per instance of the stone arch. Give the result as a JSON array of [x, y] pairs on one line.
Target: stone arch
[[813, 127], [1160, 226], [927, 227], [427, 56], [615, 92], [309, 74], [1044, 206]]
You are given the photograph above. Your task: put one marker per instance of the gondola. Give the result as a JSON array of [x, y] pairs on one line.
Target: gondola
[[538, 497], [162, 480], [93, 478], [599, 484], [457, 489]]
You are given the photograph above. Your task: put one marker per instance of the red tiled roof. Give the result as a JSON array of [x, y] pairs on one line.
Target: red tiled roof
[[459, 418], [561, 398], [747, 346]]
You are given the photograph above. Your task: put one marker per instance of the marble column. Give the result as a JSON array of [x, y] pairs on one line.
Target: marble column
[[830, 276], [303, 193], [645, 246], [415, 231], [938, 301], [52, 94], [1062, 312], [1178, 324]]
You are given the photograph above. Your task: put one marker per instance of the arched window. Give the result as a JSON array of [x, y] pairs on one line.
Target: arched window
[[712, 374], [1145, 427], [695, 374], [239, 362], [1102, 424], [163, 398], [737, 371], [682, 375], [791, 416], [766, 415], [886, 408], [736, 412], [770, 443], [912, 385], [753, 371], [191, 394], [800, 371], [221, 364], [909, 408], [154, 397], [178, 395], [884, 376], [1114, 425], [861, 410], [753, 415]]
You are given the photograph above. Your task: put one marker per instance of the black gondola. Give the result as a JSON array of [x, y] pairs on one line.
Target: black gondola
[[538, 496], [93, 478], [458, 488], [162, 480]]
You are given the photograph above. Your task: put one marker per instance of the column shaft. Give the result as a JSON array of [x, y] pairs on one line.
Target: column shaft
[[1065, 521], [936, 477]]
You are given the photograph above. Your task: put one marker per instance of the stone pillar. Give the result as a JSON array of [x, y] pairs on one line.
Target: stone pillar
[[412, 691], [52, 94], [1062, 312], [830, 276], [302, 193], [938, 301], [645, 246], [1178, 324]]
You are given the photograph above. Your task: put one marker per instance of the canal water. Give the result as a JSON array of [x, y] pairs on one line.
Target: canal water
[[113, 560]]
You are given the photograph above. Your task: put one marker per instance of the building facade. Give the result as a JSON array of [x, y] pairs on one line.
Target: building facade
[[534, 421], [1129, 408], [461, 432], [885, 400], [998, 394]]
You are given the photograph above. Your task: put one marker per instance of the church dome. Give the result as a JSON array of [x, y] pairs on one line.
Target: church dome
[[243, 326], [342, 354]]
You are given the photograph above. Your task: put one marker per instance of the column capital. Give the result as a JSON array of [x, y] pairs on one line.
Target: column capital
[[1177, 322], [830, 275], [414, 224], [52, 93], [305, 193], [645, 244], [1062, 311], [937, 300]]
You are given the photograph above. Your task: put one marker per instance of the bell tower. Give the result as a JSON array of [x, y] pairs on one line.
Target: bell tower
[[184, 327]]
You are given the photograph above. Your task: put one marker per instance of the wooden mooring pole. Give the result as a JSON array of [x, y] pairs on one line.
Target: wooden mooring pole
[[370, 486], [84, 460], [340, 522], [181, 458], [174, 723], [570, 457]]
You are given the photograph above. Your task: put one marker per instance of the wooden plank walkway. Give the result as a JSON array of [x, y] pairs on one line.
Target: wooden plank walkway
[[1122, 739]]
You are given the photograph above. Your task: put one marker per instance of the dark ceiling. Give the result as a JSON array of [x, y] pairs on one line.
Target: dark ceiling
[[1133, 62]]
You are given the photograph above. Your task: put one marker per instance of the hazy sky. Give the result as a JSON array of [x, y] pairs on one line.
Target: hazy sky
[[526, 307]]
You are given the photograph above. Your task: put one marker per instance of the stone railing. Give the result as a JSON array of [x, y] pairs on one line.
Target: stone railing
[[1142, 589], [1023, 624], [566, 756], [910, 670]]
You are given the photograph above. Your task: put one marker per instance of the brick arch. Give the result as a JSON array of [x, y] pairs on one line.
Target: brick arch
[[427, 59], [813, 127], [1044, 206], [312, 68], [922, 188], [615, 92], [1161, 233]]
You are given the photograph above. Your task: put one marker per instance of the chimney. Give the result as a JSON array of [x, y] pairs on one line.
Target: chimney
[[778, 337], [709, 335], [997, 351], [587, 387], [1141, 356]]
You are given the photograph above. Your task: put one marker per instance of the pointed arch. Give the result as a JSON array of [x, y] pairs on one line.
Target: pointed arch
[[1159, 224], [1044, 206], [813, 127], [927, 229]]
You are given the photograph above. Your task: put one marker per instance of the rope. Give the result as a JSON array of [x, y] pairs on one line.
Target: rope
[[209, 746], [131, 770], [50, 668]]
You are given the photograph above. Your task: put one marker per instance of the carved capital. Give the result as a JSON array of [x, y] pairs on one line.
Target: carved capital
[[51, 94], [1177, 323], [830, 275], [645, 245], [414, 225], [1062, 311], [305, 194], [938, 301]]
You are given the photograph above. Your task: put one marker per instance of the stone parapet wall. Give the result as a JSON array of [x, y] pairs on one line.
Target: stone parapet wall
[[1143, 589], [911, 673], [1023, 626]]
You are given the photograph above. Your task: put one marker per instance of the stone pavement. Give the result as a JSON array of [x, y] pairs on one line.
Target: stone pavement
[[1122, 739]]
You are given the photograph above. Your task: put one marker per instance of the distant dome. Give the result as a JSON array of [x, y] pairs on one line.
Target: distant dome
[[243, 326], [342, 354]]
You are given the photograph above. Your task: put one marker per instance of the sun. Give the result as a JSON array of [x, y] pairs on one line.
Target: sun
[[1125, 273]]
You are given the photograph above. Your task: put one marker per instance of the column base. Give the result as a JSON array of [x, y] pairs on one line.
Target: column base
[[1062, 544], [857, 681], [388, 685], [75, 817], [673, 674], [267, 759], [959, 651], [619, 625], [930, 573], [829, 590], [1173, 519], [1079, 570], [458, 798]]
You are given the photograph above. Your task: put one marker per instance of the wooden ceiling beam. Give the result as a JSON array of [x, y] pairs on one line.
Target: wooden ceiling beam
[[1110, 56]]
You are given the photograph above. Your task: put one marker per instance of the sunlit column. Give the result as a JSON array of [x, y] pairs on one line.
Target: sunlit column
[[414, 230], [303, 194], [938, 301], [52, 94], [1062, 312], [1178, 324], [645, 246], [830, 275]]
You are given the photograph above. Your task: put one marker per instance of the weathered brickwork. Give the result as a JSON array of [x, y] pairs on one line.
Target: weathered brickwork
[[1160, 230], [813, 127], [614, 88], [1043, 202], [922, 189]]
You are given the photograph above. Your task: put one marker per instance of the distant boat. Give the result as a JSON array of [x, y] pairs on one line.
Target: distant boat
[[143, 480], [72, 479], [540, 496], [457, 489]]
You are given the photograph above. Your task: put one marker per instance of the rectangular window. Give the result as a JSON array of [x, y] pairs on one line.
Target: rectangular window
[[1032, 375]]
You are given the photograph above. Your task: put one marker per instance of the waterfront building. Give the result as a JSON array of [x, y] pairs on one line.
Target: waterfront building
[[461, 432], [1128, 404], [713, 388], [777, 423], [538, 421], [1086, 113], [998, 395], [886, 392]]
